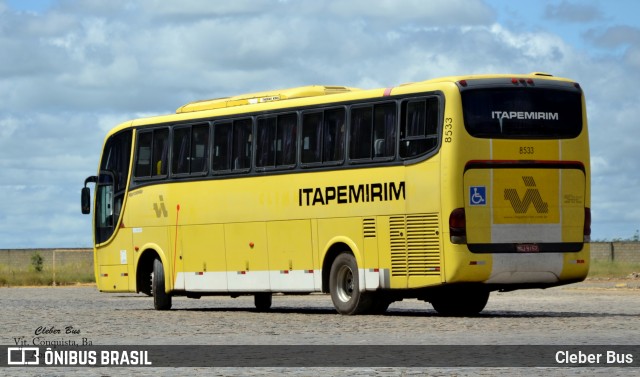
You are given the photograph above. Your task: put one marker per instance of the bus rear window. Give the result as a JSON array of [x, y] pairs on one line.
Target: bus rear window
[[522, 113]]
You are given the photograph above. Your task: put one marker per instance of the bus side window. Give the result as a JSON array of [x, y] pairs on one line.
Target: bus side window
[[276, 143], [286, 140], [199, 149], [384, 130], [241, 147], [181, 144], [143, 155], [334, 134], [222, 142], [419, 131], [360, 133], [160, 152], [190, 147], [372, 133], [311, 138], [323, 136], [265, 143]]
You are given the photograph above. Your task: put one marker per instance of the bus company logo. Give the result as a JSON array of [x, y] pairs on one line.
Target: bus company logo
[[160, 208], [524, 115], [347, 194], [531, 196]]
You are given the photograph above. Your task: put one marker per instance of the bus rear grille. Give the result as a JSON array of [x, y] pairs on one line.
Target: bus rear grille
[[415, 245]]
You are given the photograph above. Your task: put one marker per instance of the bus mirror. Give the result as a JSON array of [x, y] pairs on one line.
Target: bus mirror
[[85, 195], [85, 199]]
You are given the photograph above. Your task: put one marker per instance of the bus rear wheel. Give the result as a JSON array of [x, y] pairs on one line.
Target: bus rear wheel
[[262, 301], [461, 302], [345, 287], [161, 299]]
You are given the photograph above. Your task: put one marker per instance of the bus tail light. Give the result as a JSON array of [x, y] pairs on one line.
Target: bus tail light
[[587, 224], [458, 226]]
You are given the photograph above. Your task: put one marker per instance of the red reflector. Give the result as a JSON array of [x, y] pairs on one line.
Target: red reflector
[[530, 81], [514, 81], [199, 273], [463, 82], [580, 261]]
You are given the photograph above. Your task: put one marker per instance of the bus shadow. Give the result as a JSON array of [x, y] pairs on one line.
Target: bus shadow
[[323, 311], [392, 312], [411, 313], [511, 314]]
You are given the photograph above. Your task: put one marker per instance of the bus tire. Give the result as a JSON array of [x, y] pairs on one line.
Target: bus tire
[[461, 302], [161, 299], [345, 287], [262, 301]]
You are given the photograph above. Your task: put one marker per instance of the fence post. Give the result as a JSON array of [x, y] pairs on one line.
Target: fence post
[[612, 253], [54, 268]]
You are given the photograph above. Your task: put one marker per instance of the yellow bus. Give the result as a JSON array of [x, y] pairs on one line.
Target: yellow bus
[[443, 190]]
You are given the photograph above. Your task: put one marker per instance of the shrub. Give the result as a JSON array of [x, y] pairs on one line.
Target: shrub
[[37, 261]]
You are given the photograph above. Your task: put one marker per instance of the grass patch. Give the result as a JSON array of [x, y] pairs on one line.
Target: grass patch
[[68, 274], [606, 269]]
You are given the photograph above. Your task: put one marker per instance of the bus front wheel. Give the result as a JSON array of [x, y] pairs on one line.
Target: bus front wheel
[[345, 287], [161, 299]]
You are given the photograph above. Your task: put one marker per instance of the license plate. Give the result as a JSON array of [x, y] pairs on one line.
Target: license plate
[[527, 248]]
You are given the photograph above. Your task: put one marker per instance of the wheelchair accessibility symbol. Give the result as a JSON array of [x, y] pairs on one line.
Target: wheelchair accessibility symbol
[[477, 195]]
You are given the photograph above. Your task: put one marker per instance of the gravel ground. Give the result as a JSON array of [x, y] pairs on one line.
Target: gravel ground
[[595, 312]]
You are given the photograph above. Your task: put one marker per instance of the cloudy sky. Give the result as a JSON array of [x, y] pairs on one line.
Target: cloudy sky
[[71, 70]]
